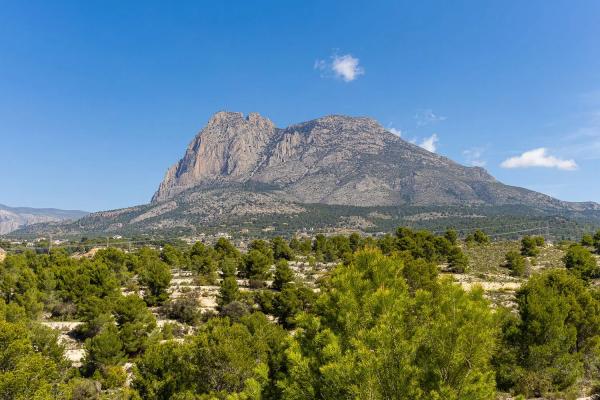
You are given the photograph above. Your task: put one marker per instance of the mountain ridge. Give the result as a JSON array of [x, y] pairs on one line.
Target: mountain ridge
[[334, 171], [335, 159], [13, 218]]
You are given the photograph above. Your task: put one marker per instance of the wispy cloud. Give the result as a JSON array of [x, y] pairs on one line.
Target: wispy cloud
[[474, 156], [345, 67], [430, 143], [584, 141], [427, 117], [397, 132], [538, 158]]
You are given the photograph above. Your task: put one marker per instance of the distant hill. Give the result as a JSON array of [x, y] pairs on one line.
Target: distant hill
[[339, 170], [13, 218]]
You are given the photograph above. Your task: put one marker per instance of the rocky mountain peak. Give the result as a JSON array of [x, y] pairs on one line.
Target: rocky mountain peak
[[341, 124], [334, 159], [228, 148], [226, 119], [341, 119]]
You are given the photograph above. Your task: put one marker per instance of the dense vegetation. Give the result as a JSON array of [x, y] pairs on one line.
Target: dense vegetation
[[509, 221], [384, 320]]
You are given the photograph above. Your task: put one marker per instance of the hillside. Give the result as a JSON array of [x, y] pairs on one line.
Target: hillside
[[331, 172], [13, 218], [209, 312]]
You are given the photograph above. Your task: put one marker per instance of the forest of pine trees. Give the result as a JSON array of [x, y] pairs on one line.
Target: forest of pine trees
[[385, 320]]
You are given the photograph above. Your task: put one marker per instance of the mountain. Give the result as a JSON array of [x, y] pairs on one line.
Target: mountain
[[336, 160], [242, 171], [13, 218]]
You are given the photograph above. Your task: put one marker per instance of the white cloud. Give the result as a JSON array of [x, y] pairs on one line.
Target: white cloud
[[426, 117], [538, 158], [395, 131], [474, 157], [345, 67], [430, 143]]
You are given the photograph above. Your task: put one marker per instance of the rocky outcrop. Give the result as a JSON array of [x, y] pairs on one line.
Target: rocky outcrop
[[336, 160], [229, 148]]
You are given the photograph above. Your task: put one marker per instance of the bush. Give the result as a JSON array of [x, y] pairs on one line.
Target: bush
[[184, 309], [587, 240], [228, 292], [235, 310], [265, 299], [515, 262], [457, 260], [156, 276], [559, 328], [478, 237], [84, 389], [451, 235], [283, 274], [228, 266], [581, 262], [104, 349], [256, 284], [529, 246], [111, 377], [293, 299], [64, 310], [481, 237], [174, 330], [257, 264], [595, 392], [281, 249]]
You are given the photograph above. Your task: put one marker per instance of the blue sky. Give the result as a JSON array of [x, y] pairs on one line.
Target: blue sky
[[98, 99]]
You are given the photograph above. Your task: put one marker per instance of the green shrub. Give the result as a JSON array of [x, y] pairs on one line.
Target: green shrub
[[516, 263], [184, 309], [457, 260], [587, 240], [529, 246], [581, 262]]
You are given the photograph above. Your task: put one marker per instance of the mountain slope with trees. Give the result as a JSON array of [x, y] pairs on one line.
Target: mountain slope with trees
[[332, 172]]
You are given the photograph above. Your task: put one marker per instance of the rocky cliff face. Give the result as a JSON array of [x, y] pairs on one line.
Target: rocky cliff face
[[333, 160], [229, 148]]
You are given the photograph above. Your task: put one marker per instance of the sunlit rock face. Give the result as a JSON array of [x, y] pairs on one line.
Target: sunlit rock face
[[334, 160]]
